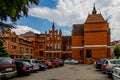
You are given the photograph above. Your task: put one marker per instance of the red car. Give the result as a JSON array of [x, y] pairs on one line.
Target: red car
[[55, 63], [48, 63], [7, 68]]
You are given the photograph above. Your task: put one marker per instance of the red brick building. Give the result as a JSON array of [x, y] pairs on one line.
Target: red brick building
[[38, 43], [91, 40], [18, 46], [53, 43], [67, 50], [50, 45]]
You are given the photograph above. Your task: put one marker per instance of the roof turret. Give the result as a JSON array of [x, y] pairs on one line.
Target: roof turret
[[94, 10]]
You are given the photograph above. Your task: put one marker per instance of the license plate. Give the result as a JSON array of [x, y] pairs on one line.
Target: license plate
[[9, 69]]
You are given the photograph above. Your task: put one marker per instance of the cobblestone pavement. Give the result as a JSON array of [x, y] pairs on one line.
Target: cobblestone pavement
[[68, 72]]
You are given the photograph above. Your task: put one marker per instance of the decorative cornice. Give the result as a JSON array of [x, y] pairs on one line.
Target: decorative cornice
[[85, 46], [53, 51]]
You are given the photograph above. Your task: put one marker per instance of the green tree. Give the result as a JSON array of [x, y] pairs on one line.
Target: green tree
[[14, 10], [117, 51], [3, 52], [25, 57]]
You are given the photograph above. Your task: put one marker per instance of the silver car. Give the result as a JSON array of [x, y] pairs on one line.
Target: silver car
[[109, 63]]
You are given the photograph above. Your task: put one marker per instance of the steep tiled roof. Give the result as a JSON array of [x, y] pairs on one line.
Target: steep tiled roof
[[93, 18], [78, 29], [30, 33]]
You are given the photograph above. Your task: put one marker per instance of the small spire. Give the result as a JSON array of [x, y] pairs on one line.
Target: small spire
[[45, 32], [60, 31], [53, 26], [94, 10]]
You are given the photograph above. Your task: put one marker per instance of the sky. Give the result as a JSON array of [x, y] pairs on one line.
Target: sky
[[65, 13]]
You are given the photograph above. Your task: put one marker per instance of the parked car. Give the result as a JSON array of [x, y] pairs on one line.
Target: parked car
[[61, 62], [109, 63], [66, 61], [55, 63], [23, 67], [41, 65], [48, 63], [109, 70], [71, 61], [33, 62], [116, 73], [98, 63], [7, 67]]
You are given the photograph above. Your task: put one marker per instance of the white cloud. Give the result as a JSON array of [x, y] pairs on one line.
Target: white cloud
[[115, 35], [23, 29], [68, 12], [66, 32]]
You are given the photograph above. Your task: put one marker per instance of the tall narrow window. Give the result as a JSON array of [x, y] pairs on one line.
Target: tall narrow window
[[54, 54], [47, 55], [55, 38], [81, 53], [51, 46], [50, 54], [58, 38], [58, 45], [21, 49], [41, 53], [57, 54], [88, 53], [55, 46], [27, 51], [31, 51]]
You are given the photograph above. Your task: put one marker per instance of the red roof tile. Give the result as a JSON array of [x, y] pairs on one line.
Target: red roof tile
[[93, 18]]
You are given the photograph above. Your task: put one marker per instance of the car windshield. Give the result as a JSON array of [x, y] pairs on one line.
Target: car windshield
[[103, 60], [115, 62], [26, 60], [6, 62], [26, 64], [36, 61], [118, 62], [112, 62]]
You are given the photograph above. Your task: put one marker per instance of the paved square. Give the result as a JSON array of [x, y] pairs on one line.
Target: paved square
[[68, 72]]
